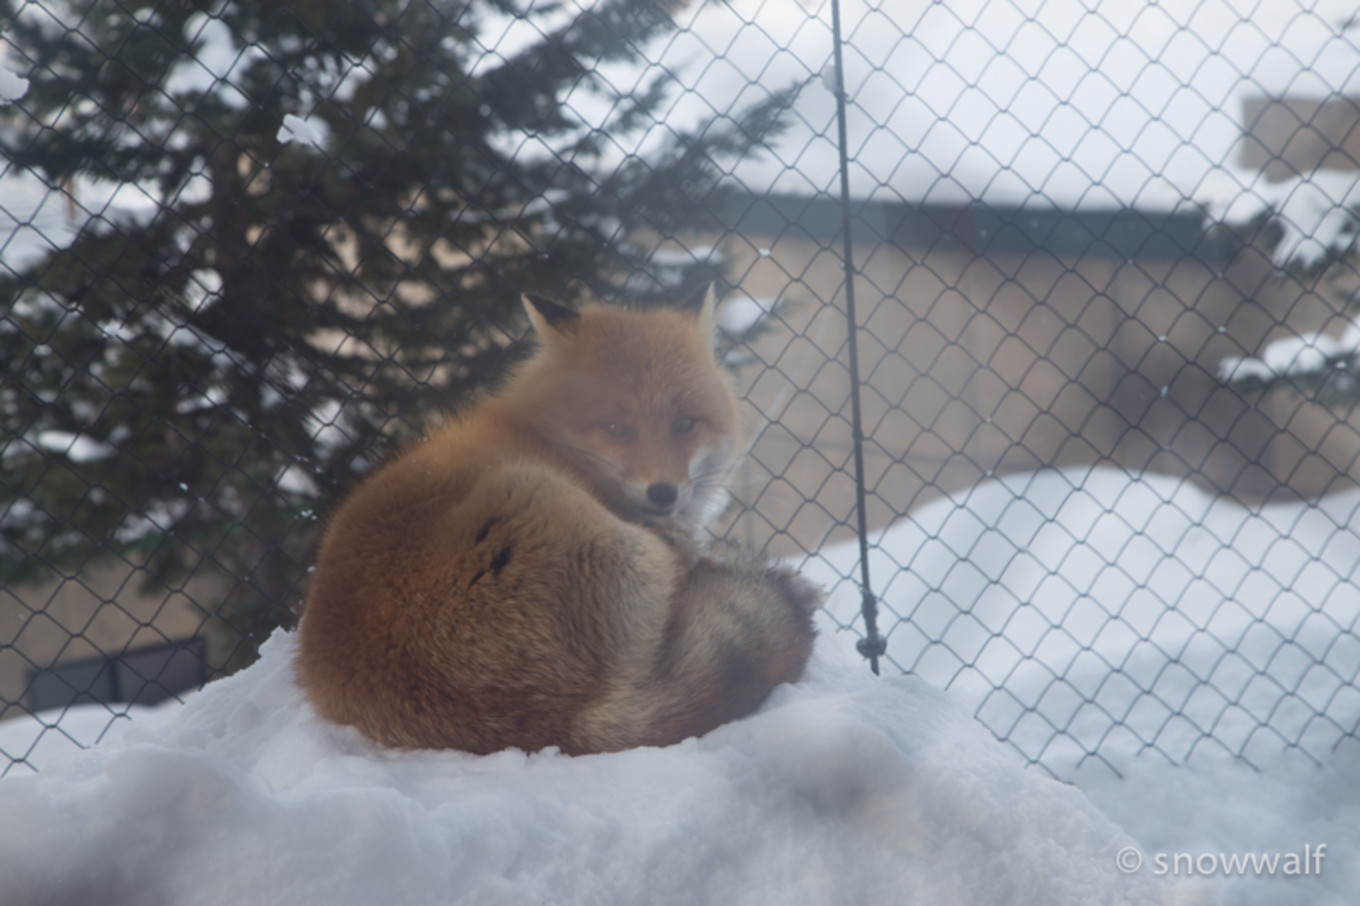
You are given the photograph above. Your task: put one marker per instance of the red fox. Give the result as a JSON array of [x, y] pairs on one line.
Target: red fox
[[533, 574]]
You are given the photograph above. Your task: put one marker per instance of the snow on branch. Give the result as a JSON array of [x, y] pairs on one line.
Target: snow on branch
[[12, 86], [1309, 357], [1318, 215], [1316, 212], [311, 131]]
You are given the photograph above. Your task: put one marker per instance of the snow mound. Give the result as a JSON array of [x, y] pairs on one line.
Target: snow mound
[[1089, 613], [843, 788], [34, 740]]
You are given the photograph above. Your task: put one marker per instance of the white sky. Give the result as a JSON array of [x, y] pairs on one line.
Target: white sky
[[1060, 102]]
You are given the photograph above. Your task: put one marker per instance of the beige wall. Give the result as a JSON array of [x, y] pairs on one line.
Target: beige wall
[[1289, 136], [979, 365], [102, 611]]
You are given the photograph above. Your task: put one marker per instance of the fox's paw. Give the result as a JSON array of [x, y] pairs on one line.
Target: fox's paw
[[733, 555], [801, 594], [678, 539]]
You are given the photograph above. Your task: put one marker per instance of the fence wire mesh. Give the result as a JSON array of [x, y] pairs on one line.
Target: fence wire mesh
[[1104, 341]]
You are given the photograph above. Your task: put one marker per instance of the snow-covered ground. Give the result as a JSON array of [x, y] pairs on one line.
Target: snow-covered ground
[[845, 787], [1088, 615], [843, 790], [1191, 664]]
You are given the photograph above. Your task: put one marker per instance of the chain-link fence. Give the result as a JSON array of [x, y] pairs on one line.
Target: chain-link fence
[[1094, 427]]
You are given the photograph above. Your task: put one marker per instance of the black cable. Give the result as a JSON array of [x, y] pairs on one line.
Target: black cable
[[872, 645]]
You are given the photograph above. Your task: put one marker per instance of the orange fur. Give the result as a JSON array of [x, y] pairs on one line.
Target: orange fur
[[530, 575]]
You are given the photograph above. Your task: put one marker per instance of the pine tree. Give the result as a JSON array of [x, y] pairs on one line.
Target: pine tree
[[194, 380], [1323, 260]]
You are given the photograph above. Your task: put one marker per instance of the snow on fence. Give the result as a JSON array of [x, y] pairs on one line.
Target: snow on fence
[[1104, 463]]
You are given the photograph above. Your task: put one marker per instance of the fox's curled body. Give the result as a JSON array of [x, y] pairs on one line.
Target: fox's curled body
[[530, 575]]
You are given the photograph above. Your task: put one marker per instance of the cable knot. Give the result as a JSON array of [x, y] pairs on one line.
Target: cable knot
[[872, 647]]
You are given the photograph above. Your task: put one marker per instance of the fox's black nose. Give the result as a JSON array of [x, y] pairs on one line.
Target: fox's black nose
[[662, 494]]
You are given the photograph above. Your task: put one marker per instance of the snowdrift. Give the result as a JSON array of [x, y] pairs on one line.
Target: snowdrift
[[842, 789], [1086, 611]]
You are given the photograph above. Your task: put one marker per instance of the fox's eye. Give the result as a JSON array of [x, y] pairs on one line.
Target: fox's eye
[[682, 425], [617, 429]]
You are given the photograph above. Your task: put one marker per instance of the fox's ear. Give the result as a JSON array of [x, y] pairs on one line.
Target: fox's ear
[[701, 305], [548, 317]]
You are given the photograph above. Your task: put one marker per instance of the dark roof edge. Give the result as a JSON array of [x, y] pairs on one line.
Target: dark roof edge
[[988, 229]]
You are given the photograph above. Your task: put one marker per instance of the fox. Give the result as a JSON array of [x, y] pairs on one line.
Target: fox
[[535, 573]]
